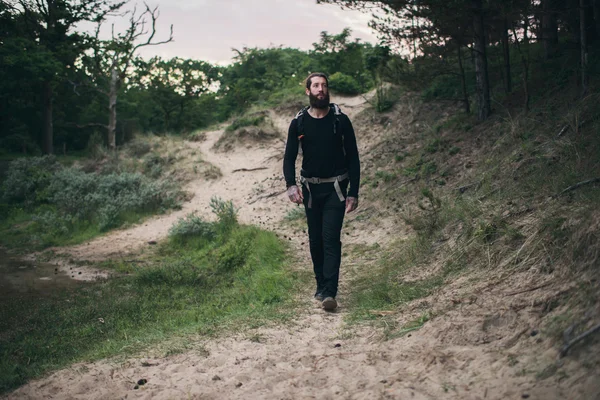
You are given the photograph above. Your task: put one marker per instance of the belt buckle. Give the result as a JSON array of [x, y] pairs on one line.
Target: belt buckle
[[317, 180]]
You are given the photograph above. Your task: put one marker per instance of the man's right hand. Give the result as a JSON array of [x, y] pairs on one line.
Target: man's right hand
[[295, 194]]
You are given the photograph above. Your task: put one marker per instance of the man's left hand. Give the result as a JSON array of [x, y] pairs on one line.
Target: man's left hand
[[351, 204]]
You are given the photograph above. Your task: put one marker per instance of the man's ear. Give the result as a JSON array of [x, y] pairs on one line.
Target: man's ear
[[307, 91]]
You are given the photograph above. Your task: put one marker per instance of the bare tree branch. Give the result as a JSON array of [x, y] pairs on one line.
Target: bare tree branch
[[566, 347]]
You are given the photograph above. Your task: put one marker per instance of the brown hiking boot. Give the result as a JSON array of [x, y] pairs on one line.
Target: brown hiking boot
[[329, 304]]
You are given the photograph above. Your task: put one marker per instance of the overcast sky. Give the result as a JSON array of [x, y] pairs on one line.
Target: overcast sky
[[208, 29]]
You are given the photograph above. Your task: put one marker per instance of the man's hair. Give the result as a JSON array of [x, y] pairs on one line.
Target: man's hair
[[314, 74]]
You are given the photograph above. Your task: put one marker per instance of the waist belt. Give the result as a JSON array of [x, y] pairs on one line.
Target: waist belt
[[315, 181]]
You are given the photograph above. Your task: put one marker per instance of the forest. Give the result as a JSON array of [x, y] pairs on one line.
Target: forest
[[64, 90]]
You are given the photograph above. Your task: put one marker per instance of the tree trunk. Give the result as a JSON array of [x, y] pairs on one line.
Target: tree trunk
[[525, 61], [549, 29], [596, 9], [583, 42], [112, 108], [463, 80], [48, 128], [506, 51], [481, 70]]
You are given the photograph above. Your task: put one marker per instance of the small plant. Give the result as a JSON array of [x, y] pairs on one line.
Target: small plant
[[385, 176], [294, 214], [211, 172], [95, 146], [139, 147], [429, 168], [192, 225], [225, 212], [429, 220], [454, 150]]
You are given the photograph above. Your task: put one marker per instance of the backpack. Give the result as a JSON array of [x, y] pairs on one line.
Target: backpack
[[337, 111]]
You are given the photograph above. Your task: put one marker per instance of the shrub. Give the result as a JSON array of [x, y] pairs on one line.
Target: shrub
[[344, 84], [192, 226], [139, 147], [225, 212], [106, 198], [27, 179], [95, 146], [234, 254]]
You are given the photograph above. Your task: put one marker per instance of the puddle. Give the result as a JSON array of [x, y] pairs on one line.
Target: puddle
[[25, 278]]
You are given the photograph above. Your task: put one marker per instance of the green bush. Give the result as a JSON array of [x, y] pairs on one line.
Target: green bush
[[344, 84], [225, 212], [192, 225], [234, 254], [65, 204], [107, 197], [27, 179]]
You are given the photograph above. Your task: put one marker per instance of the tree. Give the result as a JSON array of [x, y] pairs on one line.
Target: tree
[[110, 62], [481, 66], [174, 85], [50, 24]]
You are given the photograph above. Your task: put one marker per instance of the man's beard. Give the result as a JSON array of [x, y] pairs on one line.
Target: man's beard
[[315, 102]]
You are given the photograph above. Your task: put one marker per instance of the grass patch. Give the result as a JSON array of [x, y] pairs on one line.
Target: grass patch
[[384, 287], [245, 121], [205, 279]]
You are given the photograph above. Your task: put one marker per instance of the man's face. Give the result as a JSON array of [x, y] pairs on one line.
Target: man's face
[[318, 92]]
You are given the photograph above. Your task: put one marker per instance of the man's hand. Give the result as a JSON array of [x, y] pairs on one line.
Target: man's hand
[[351, 204], [295, 194]]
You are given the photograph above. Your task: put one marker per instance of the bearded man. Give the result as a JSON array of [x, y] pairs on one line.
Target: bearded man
[[329, 178]]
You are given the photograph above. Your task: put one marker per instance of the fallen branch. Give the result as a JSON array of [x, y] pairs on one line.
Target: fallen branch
[[566, 128], [463, 189], [529, 290], [577, 186], [266, 196], [248, 169], [562, 131], [566, 347]]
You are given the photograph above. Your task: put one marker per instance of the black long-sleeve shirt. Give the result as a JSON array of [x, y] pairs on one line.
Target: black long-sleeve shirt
[[323, 152]]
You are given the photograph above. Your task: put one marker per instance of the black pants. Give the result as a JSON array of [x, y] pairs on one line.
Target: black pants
[[325, 219]]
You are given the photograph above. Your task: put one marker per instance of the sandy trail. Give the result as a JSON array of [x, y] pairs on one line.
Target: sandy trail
[[471, 351]]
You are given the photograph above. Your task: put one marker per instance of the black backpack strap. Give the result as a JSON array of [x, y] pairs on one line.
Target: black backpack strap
[[300, 122], [337, 111]]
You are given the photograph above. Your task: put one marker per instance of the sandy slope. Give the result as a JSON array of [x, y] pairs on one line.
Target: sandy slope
[[476, 348]]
